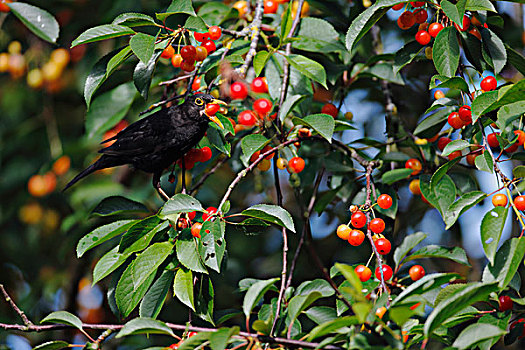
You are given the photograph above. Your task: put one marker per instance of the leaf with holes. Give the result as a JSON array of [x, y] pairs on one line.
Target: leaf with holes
[[491, 228]]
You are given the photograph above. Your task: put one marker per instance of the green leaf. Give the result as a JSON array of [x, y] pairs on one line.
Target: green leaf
[[471, 294], [445, 52], [477, 333], [406, 54], [299, 303], [288, 105], [118, 205], [218, 140], [196, 24], [321, 314], [183, 287], [317, 35], [143, 75], [271, 213], [142, 46], [482, 103], [456, 254], [309, 68], [177, 6], [212, 244], [139, 230], [485, 162], [323, 124], [148, 262], [441, 194], [507, 114], [127, 297], [332, 326], [357, 287], [454, 12], [144, 325], [317, 285], [491, 100], [457, 83], [180, 203], [109, 108], [516, 59], [63, 317], [220, 338], [52, 345], [39, 21], [494, 48], [424, 285], [408, 244], [518, 171], [102, 234], [480, 5], [464, 203], [102, 32], [442, 171], [260, 60], [188, 253], [395, 175], [132, 19], [204, 301], [508, 259], [255, 293], [251, 144], [456, 145], [383, 71], [433, 123], [491, 228], [152, 303], [286, 24]]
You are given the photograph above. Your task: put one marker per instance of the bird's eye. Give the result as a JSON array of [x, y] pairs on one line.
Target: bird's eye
[[199, 101]]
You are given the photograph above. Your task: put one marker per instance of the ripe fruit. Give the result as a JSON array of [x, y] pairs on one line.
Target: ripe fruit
[[416, 272], [304, 133], [488, 83], [358, 219], [434, 29], [505, 303], [414, 187], [296, 164], [176, 60], [196, 84], [196, 230], [330, 109], [343, 231], [201, 53], [465, 114], [383, 246], [422, 26], [215, 32], [398, 7], [423, 37], [259, 85], [455, 121], [187, 66], [415, 165], [406, 20], [201, 37], [183, 223], [266, 149], [247, 118], [377, 225], [512, 148], [209, 46], [500, 200], [238, 91], [439, 94], [282, 163], [380, 312], [242, 7], [37, 186], [61, 165], [363, 272], [521, 137], [471, 158], [443, 142], [475, 31], [209, 213], [519, 202], [264, 165], [262, 106], [454, 155], [270, 6], [492, 139], [3, 5], [417, 3], [421, 16], [356, 237], [168, 52], [384, 201], [465, 24], [349, 115], [211, 109], [188, 53], [205, 154], [387, 272]]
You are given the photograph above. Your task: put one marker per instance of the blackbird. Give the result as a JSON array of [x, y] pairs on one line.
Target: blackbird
[[154, 143]]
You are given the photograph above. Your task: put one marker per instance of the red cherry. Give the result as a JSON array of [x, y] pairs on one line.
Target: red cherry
[[176, 60], [383, 246], [519, 202], [212, 109], [512, 148], [191, 334], [330, 109], [201, 37], [259, 85], [196, 84], [417, 3], [168, 52], [358, 219], [489, 83], [209, 213], [215, 32], [209, 46], [270, 6], [201, 54], [387, 272], [206, 154], [422, 37], [377, 225], [465, 24], [415, 165], [363, 272], [384, 201], [238, 91], [434, 29], [356, 237], [406, 20], [521, 137], [443, 142], [188, 53], [492, 139], [416, 272], [296, 164], [398, 7], [455, 121], [465, 114], [505, 303], [454, 155], [196, 230], [266, 149], [421, 16], [247, 118], [262, 106], [187, 66], [191, 215]]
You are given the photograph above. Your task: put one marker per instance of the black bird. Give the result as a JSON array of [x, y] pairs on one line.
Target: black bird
[[154, 143]]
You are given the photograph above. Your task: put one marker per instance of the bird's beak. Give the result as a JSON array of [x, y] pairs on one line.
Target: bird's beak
[[216, 120]]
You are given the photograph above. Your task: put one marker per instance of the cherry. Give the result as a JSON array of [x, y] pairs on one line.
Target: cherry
[[176, 60], [416, 272], [383, 246], [475, 31], [387, 272], [356, 237], [270, 6], [209, 46], [455, 121], [500, 200], [191, 334], [205, 154], [465, 24], [363, 272], [247, 118], [174, 346], [343, 232], [196, 230], [238, 91], [209, 213], [211, 109], [201, 37], [519, 202], [264, 165], [492, 139], [521, 137], [168, 52], [454, 155], [197, 84], [505, 303], [380, 312], [415, 165], [423, 37], [215, 32], [398, 7], [377, 225], [358, 219], [191, 215], [471, 158], [422, 26], [187, 66], [262, 106], [266, 149], [433, 138], [439, 94], [414, 187], [384, 201], [465, 114], [201, 53], [512, 148], [259, 85], [488, 83], [188, 53], [421, 15], [417, 3], [255, 156], [406, 20], [282, 163], [330, 109], [3, 5], [434, 29], [182, 223], [304, 133], [296, 164], [443, 142]]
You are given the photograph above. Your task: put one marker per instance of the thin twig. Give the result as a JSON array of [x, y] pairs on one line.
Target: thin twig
[[207, 174], [255, 31], [12, 303]]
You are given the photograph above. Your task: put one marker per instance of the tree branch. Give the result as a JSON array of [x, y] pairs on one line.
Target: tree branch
[[13, 305], [255, 31]]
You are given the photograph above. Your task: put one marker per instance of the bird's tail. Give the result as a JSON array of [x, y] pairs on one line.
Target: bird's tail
[[102, 163]]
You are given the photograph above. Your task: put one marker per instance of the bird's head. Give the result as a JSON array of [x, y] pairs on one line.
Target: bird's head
[[200, 101]]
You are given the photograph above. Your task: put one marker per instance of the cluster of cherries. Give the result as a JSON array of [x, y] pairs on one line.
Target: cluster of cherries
[[193, 156], [185, 221], [261, 106], [501, 200], [189, 54]]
